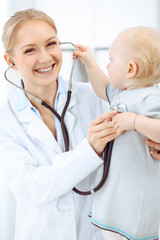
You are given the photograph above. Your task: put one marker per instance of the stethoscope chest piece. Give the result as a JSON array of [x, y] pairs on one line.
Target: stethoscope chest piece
[[119, 108]]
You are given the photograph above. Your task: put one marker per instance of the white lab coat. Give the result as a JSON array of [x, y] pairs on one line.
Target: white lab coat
[[41, 175]]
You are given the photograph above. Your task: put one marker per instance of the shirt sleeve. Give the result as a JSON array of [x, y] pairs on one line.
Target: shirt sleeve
[[150, 106]]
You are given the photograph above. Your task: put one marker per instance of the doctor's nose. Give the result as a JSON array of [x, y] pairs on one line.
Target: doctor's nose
[[44, 56]]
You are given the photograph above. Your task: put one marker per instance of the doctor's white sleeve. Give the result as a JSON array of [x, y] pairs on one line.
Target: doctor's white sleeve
[[42, 184]]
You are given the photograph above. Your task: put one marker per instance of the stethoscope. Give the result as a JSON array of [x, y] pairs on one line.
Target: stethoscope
[[108, 149]]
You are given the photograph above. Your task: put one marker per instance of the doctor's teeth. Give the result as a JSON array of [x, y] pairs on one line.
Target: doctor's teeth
[[44, 69]]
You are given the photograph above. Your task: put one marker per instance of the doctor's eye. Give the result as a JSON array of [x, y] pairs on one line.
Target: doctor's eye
[[29, 51], [53, 43]]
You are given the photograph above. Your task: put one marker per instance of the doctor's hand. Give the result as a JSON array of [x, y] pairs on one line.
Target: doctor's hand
[[101, 131], [84, 53], [154, 153]]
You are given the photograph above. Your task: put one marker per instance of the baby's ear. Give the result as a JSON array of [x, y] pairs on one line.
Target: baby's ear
[[132, 69]]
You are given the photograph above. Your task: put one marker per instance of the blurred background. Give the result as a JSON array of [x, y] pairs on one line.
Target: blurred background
[[94, 23]]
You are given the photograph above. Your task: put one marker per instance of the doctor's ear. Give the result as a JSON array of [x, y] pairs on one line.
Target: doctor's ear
[[9, 60], [132, 69]]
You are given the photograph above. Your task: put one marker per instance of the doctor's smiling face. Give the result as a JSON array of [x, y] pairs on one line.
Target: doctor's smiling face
[[37, 54]]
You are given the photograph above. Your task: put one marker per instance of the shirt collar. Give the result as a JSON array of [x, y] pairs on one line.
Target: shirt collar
[[23, 101]]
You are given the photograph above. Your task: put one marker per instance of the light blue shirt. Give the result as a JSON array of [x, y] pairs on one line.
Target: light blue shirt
[[23, 102]]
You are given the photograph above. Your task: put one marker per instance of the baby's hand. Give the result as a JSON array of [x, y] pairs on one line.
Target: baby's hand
[[84, 53], [123, 121]]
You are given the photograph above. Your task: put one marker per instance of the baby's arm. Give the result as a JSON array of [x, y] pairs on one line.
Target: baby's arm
[[131, 121], [97, 77]]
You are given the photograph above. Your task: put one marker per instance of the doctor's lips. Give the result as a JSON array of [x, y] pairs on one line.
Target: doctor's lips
[[45, 69]]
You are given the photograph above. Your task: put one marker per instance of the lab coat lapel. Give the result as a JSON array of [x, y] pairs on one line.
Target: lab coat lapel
[[36, 128], [71, 120]]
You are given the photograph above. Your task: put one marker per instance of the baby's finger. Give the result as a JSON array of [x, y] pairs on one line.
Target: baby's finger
[[81, 47]]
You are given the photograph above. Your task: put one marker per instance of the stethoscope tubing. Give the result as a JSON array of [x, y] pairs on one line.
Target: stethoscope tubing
[[61, 119], [107, 160], [108, 148], [31, 94]]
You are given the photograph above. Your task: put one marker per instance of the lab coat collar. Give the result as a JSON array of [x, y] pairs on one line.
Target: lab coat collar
[[22, 101], [28, 114]]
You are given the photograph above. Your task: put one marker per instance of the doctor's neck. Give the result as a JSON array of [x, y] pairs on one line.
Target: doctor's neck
[[45, 93]]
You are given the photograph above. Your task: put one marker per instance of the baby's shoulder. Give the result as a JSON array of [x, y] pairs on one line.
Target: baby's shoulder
[[150, 102]]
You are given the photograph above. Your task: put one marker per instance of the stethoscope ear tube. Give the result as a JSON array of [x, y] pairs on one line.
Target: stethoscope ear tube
[[63, 126], [61, 119]]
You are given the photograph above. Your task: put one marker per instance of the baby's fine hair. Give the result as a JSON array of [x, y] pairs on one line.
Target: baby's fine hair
[[16, 21], [144, 43]]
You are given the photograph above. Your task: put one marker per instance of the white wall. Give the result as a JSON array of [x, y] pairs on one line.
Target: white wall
[[96, 22], [93, 22]]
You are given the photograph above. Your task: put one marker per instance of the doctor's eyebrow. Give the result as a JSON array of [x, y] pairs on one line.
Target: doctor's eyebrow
[[52, 38], [47, 40]]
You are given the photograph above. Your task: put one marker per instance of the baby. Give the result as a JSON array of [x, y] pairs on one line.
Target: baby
[[128, 204]]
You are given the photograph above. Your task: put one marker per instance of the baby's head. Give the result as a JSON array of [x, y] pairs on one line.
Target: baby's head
[[137, 51]]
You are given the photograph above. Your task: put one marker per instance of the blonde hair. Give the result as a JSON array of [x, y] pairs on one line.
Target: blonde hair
[[14, 23], [144, 46]]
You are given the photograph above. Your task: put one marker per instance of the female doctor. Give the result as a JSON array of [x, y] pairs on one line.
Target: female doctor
[[39, 173]]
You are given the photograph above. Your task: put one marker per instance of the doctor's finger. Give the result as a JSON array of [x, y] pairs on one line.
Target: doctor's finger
[[155, 155], [101, 126], [101, 143], [105, 125], [98, 142], [110, 137], [153, 144], [101, 134], [115, 125], [104, 117]]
